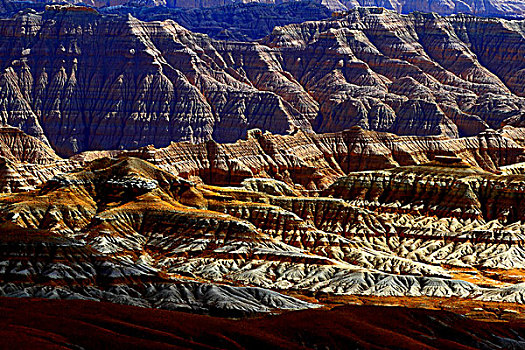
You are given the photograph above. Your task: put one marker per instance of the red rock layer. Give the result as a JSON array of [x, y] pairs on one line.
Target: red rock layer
[[305, 160]]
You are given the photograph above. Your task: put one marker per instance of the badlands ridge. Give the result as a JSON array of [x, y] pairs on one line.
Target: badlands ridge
[[374, 158]]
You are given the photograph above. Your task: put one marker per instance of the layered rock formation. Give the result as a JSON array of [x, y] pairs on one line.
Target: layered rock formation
[[54, 261], [313, 161], [304, 161], [157, 82], [26, 162], [17, 146], [236, 21], [469, 193], [124, 230], [494, 8], [417, 190]]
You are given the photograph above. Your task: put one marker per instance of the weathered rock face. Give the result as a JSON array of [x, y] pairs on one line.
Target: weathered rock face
[[15, 176], [303, 161], [155, 94], [17, 146], [312, 161], [236, 21], [505, 8], [439, 188], [36, 263], [26, 162], [100, 200], [157, 82], [128, 228], [133, 233], [388, 80]]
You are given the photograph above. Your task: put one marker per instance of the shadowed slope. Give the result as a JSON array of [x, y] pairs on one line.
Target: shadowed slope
[[61, 324], [157, 82]]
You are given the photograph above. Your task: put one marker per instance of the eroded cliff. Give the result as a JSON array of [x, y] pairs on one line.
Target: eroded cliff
[[124, 230], [156, 82]]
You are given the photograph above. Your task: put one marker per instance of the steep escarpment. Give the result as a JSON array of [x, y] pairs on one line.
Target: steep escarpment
[[378, 62], [26, 162], [17, 146], [445, 213], [457, 190], [163, 89], [15, 176], [156, 82], [305, 161], [214, 226]]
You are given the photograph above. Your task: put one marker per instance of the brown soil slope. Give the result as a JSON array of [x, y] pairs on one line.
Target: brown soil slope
[[52, 324]]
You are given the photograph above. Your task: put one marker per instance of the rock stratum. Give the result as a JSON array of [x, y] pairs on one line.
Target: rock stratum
[[306, 162], [79, 81], [121, 229], [493, 8], [238, 22]]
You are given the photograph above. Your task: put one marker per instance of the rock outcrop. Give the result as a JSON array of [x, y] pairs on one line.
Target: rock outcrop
[[493, 8], [156, 82], [26, 162], [446, 187], [17, 146], [303, 161], [415, 189]]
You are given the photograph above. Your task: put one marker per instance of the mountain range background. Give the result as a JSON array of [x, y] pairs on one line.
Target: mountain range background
[[510, 8]]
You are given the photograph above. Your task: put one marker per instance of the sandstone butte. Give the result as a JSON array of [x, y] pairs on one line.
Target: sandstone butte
[[415, 198]]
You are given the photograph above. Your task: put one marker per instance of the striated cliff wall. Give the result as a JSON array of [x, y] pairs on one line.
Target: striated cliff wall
[[303, 160], [82, 81], [314, 161]]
